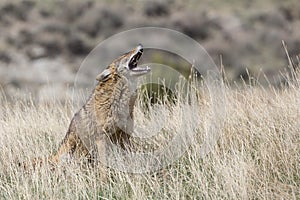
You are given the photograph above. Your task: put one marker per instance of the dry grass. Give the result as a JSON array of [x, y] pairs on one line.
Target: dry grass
[[257, 155]]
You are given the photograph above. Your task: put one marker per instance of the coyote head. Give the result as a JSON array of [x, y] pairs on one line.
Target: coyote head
[[126, 65]]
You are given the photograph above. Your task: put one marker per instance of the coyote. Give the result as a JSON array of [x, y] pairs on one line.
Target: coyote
[[107, 115]]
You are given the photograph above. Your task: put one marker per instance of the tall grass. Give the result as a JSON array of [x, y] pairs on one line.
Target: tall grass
[[257, 155]]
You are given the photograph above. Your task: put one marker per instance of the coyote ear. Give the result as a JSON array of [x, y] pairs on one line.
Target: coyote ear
[[103, 76]]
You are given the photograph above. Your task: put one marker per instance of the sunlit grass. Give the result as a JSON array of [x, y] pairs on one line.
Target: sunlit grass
[[257, 155]]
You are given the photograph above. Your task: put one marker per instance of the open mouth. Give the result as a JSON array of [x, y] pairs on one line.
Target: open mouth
[[134, 69]]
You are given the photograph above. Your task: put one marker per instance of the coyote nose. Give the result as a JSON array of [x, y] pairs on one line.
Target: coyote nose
[[139, 48]]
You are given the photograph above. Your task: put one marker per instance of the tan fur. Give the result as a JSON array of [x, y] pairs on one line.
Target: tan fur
[[105, 118]]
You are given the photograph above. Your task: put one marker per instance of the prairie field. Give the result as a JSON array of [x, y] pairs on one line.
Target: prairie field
[[257, 154], [238, 139]]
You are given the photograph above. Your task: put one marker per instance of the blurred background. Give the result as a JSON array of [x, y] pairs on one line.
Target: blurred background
[[43, 43]]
